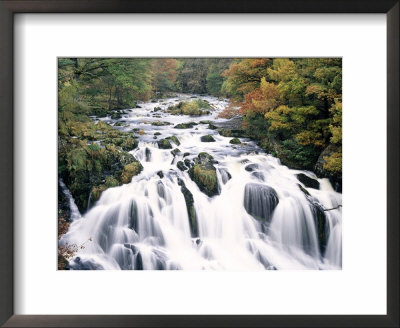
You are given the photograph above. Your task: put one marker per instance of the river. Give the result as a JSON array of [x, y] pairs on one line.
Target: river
[[263, 217]]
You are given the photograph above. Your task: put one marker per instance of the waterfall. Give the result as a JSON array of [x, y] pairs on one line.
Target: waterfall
[[75, 214], [262, 218]]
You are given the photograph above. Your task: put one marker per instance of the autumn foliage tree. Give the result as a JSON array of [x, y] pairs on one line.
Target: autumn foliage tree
[[293, 106]]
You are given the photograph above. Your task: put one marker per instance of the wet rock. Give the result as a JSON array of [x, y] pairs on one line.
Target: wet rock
[[322, 227], [160, 123], [212, 126], [235, 141], [204, 174], [233, 133], [304, 190], [188, 125], [190, 208], [116, 115], [187, 162], [181, 166], [138, 262], [307, 181], [156, 109], [186, 154], [260, 201], [174, 139], [157, 133], [130, 171], [251, 167], [175, 152], [160, 174], [161, 189], [258, 175], [207, 138], [164, 144], [148, 154]]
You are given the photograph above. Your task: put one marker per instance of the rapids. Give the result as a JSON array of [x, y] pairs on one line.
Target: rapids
[[260, 220]]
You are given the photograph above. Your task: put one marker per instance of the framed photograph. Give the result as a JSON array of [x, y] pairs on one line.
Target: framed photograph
[[213, 164]]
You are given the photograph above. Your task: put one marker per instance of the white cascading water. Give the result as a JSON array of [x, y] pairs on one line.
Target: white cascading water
[[144, 225]]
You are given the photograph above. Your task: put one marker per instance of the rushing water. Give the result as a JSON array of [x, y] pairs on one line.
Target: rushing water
[[145, 224]]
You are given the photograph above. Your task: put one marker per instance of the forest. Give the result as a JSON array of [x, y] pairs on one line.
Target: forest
[[292, 107]]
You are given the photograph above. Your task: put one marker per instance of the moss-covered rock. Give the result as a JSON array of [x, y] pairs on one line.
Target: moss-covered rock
[[160, 123], [235, 141], [181, 166], [192, 108], [175, 152], [204, 174], [190, 209], [207, 138], [235, 133], [164, 144], [130, 171], [174, 139], [187, 125]]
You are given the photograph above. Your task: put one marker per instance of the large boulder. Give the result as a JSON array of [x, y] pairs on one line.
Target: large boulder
[[164, 144], [190, 208], [321, 226], [207, 138], [307, 181], [203, 172], [260, 201]]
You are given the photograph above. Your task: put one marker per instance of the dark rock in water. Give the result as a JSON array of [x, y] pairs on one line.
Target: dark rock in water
[[251, 167], [156, 109], [116, 116], [164, 144], [304, 190], [186, 154], [190, 208], [148, 154], [160, 174], [161, 189], [307, 181], [322, 227], [207, 138], [225, 175], [260, 201], [139, 262], [187, 162], [187, 125], [198, 241], [157, 133], [203, 172], [258, 175], [174, 139], [234, 133], [212, 126], [132, 247], [175, 152], [133, 217], [235, 141], [181, 166]]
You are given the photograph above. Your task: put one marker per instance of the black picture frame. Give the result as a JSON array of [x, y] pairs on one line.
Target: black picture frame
[[10, 7]]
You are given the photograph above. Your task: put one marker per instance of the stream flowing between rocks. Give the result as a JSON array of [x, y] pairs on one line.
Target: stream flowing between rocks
[[261, 215]]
